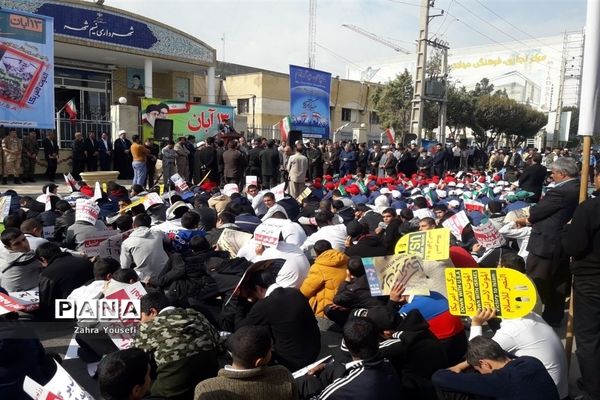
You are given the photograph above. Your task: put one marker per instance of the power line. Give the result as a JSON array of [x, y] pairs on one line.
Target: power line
[[406, 3], [340, 57], [514, 26], [496, 28], [444, 20]]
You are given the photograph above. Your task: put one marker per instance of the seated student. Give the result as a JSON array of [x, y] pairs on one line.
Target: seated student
[[360, 242], [389, 230], [65, 219], [495, 213], [334, 233], [364, 214], [103, 269], [434, 308], [249, 376], [324, 277], [183, 344], [78, 232], [144, 249], [33, 230], [124, 374], [352, 293], [225, 220], [426, 224], [185, 279], [62, 274], [498, 377], [22, 354], [19, 268], [287, 314], [368, 377], [412, 349], [180, 239]]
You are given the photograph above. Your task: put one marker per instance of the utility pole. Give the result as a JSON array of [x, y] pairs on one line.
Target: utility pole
[[444, 101], [312, 33], [418, 102], [561, 90]]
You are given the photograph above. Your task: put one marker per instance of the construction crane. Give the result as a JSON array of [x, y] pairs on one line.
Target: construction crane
[[312, 32], [376, 38]]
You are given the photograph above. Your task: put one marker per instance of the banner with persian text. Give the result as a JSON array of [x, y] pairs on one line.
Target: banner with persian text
[[309, 101], [188, 118], [26, 70]]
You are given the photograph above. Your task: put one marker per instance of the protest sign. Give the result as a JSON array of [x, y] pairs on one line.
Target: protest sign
[[5, 205], [91, 245], [383, 272], [278, 191], [305, 193], [473, 205], [86, 211], [111, 246], [487, 235], [509, 292], [230, 189], [304, 371], [268, 232], [151, 199], [516, 214], [429, 245], [61, 387], [232, 240], [97, 191], [124, 330], [180, 184], [457, 223], [251, 180], [19, 301]]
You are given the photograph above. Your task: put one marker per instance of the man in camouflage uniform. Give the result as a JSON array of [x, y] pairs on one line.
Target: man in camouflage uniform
[[183, 343], [11, 148], [30, 153]]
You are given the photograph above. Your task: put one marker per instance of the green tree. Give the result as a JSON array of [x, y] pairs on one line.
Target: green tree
[[460, 109], [483, 88], [393, 103], [495, 115]]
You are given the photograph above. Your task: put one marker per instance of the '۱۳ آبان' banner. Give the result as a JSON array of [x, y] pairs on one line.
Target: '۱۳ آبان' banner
[[309, 101], [188, 118], [26, 70]]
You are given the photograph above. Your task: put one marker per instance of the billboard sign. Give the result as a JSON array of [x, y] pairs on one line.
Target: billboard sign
[[26, 70], [200, 120], [309, 101]]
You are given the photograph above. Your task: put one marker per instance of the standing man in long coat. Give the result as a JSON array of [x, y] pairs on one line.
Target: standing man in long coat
[[122, 156]]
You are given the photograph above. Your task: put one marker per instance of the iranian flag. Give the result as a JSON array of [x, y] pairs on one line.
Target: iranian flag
[[285, 126], [71, 109], [391, 135]]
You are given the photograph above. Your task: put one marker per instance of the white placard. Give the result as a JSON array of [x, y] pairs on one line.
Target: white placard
[[456, 224], [92, 245], [230, 189], [86, 210], [61, 387], [268, 232], [151, 199], [278, 191], [487, 235], [5, 205], [251, 180], [135, 291], [180, 184]]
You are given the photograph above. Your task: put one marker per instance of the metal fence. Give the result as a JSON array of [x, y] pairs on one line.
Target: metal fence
[[66, 130]]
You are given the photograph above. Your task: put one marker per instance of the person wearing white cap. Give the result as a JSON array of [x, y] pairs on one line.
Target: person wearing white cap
[[122, 156]]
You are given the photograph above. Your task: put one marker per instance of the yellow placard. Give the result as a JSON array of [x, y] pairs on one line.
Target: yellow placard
[[430, 245], [509, 292], [133, 204]]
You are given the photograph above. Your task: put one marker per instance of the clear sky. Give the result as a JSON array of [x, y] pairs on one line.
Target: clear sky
[[272, 34]]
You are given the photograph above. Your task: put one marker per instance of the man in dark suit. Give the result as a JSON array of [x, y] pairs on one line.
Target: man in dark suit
[[205, 161], [269, 165], [122, 156], [104, 147], [91, 152], [374, 159], [254, 160], [547, 264], [234, 164], [51, 155], [533, 177]]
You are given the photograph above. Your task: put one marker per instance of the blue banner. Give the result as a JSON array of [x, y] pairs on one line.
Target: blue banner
[[26, 70], [99, 26], [309, 101]]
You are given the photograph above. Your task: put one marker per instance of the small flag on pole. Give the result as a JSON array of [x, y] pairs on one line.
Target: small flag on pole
[[391, 135], [342, 190], [71, 110], [285, 127]]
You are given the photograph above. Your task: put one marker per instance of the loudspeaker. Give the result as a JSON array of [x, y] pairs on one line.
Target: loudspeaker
[[163, 129], [293, 136]]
